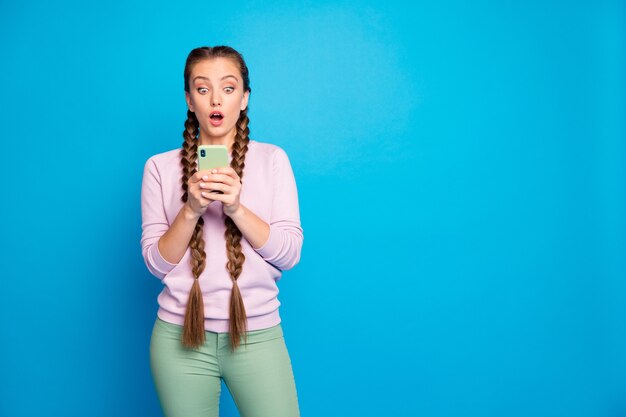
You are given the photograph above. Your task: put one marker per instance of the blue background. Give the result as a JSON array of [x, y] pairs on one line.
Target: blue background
[[462, 181]]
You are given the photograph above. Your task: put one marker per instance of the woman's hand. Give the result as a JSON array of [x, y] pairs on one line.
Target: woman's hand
[[196, 202], [223, 179]]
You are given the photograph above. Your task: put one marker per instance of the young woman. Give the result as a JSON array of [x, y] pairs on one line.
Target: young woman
[[219, 255]]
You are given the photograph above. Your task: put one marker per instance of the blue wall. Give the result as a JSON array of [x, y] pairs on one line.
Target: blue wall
[[462, 179]]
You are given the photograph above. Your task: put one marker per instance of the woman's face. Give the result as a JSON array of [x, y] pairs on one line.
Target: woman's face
[[216, 85]]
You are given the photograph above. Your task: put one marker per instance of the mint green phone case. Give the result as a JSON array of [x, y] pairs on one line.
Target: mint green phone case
[[212, 156]]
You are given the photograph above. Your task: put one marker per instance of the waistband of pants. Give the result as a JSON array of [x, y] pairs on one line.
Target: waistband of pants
[[223, 325], [253, 336]]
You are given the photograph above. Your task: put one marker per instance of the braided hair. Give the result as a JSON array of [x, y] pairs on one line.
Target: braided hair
[[193, 331]]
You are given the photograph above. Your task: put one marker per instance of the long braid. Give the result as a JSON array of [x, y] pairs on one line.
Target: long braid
[[193, 331], [236, 258]]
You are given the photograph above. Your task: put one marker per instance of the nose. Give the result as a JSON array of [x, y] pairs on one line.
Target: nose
[[215, 99]]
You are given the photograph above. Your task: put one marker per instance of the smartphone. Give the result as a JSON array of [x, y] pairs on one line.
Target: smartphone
[[212, 156]]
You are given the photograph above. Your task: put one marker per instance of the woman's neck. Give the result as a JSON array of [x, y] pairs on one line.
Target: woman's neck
[[226, 141]]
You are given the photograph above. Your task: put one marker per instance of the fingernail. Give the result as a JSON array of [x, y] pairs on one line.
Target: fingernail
[[213, 171], [205, 177]]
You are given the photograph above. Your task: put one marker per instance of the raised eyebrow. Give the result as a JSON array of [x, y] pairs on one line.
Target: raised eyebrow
[[207, 79]]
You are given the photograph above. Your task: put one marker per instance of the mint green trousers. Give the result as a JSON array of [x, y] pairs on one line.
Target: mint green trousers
[[258, 374]]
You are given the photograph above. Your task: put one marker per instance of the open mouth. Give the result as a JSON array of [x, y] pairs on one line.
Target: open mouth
[[216, 116]]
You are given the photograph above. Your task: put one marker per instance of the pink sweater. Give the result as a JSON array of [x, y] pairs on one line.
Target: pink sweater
[[268, 190]]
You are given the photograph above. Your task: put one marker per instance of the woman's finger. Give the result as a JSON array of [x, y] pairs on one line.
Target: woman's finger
[[211, 196], [223, 178], [215, 186], [197, 176], [228, 171]]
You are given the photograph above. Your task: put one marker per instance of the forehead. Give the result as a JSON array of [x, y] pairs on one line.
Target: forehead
[[215, 69]]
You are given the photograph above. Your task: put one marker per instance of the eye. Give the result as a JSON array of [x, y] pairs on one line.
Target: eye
[[201, 88], [231, 89]]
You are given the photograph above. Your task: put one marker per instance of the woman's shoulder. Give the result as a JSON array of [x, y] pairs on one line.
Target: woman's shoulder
[[165, 157], [164, 164], [265, 150]]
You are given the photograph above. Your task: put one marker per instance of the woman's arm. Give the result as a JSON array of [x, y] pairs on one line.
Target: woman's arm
[[255, 230], [173, 244], [283, 246], [154, 222], [163, 245]]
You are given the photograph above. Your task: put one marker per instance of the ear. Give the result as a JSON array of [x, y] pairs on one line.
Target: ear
[[244, 101], [188, 100]]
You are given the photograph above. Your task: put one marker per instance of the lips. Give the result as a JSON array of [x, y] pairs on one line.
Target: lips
[[216, 118]]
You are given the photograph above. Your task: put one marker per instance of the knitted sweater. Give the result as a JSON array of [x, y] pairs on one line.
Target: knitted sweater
[[268, 190]]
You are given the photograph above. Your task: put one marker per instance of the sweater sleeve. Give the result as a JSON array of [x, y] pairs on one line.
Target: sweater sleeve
[[282, 248], [153, 221]]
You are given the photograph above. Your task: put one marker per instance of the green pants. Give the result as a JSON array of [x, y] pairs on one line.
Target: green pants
[[258, 374]]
